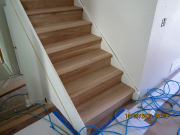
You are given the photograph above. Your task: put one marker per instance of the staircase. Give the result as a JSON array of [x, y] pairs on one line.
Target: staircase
[[93, 84]]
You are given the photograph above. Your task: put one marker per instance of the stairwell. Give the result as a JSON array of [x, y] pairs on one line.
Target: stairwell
[[93, 84]]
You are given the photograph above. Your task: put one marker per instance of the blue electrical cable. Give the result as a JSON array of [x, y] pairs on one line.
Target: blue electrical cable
[[99, 130], [145, 105], [52, 124], [90, 126], [11, 97]]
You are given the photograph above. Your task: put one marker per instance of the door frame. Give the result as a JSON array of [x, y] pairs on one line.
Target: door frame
[[13, 41]]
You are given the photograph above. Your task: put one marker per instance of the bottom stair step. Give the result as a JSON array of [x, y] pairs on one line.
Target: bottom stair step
[[102, 105]]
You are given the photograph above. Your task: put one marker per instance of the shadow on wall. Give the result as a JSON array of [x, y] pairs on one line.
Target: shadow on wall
[[6, 44]]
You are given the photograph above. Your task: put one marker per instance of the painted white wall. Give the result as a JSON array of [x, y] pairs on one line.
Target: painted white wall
[[6, 42], [164, 45], [126, 25]]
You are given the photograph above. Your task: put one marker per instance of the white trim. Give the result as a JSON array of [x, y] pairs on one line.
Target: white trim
[[12, 37]]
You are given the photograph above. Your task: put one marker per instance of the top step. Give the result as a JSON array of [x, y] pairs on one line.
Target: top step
[[38, 4], [52, 10]]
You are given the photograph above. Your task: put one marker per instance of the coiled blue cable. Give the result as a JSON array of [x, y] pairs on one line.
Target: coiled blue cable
[[52, 124], [144, 105], [162, 95]]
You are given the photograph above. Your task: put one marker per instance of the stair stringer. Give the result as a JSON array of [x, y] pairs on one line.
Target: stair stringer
[[42, 81], [106, 47]]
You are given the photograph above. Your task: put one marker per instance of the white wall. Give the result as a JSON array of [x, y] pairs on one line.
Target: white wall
[[126, 25], [164, 45], [6, 42]]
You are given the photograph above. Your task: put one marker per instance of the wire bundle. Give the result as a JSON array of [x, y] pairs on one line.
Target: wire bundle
[[18, 113], [153, 105]]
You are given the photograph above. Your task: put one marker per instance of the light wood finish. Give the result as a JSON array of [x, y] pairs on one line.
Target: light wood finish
[[86, 70], [93, 84], [52, 10], [63, 57], [80, 62], [38, 4], [12, 87], [9, 124], [71, 44], [53, 18], [61, 26], [96, 108], [65, 34], [64, 50]]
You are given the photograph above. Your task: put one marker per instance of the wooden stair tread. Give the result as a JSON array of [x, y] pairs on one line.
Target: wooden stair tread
[[52, 10], [91, 80], [61, 26], [95, 106], [63, 45], [94, 85], [80, 61], [22, 118]]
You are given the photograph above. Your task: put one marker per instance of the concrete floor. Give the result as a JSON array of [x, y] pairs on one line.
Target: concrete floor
[[16, 103]]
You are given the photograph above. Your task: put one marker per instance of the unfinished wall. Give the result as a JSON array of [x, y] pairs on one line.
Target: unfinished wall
[[126, 25], [6, 42], [164, 45]]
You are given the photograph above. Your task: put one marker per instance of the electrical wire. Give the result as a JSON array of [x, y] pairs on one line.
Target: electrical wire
[[148, 104], [10, 98], [52, 124], [144, 103]]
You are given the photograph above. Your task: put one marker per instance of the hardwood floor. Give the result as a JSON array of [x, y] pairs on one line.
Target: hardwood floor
[[17, 123]]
